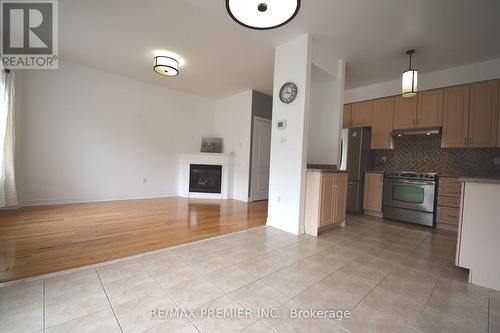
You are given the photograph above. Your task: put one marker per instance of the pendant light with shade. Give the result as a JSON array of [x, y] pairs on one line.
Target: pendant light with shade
[[409, 80], [262, 14]]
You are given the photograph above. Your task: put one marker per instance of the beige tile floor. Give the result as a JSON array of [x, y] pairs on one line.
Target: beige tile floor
[[391, 277]]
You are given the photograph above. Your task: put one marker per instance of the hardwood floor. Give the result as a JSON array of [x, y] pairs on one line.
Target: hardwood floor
[[40, 240]]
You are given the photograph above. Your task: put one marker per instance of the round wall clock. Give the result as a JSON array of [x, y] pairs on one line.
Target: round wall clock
[[288, 92]]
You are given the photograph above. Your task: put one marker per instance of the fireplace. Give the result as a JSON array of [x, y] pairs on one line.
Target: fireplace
[[205, 178]]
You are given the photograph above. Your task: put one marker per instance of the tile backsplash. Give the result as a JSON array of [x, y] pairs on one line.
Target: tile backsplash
[[424, 153]]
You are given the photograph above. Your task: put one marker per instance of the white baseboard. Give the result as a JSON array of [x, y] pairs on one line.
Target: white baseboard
[[70, 200], [270, 223]]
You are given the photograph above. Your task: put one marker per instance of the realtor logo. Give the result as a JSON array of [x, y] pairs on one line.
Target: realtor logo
[[29, 34]]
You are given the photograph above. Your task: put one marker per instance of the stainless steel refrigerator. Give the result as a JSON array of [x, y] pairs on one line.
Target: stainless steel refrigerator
[[359, 159]]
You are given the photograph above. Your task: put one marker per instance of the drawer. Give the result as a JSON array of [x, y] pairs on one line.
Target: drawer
[[447, 215], [448, 201], [449, 192], [449, 183]]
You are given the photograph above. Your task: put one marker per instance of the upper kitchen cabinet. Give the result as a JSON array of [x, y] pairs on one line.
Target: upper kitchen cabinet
[[455, 117], [361, 114], [430, 108], [405, 112], [347, 116], [383, 114], [483, 118]]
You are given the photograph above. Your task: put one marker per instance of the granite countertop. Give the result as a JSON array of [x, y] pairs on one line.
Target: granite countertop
[[326, 170], [322, 166], [482, 180]]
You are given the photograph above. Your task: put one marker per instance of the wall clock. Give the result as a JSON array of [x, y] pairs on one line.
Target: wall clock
[[288, 92]]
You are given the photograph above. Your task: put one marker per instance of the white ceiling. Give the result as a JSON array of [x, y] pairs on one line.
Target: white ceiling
[[223, 58]]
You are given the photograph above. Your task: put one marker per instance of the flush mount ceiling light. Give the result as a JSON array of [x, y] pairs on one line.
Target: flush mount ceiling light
[[262, 14], [409, 82], [165, 65]]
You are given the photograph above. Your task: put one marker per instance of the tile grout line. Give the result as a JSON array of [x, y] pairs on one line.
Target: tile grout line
[[44, 306], [489, 311], [168, 294], [109, 301]]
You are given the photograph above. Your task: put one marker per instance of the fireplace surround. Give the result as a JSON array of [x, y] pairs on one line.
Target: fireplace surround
[[215, 162]]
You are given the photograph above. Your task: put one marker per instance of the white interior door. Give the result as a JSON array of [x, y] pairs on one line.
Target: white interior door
[[261, 152]]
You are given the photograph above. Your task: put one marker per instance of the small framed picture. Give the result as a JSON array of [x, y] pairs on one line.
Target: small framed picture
[[211, 145]]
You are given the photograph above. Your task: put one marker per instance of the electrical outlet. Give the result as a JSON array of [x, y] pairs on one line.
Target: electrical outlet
[[278, 199], [496, 161]]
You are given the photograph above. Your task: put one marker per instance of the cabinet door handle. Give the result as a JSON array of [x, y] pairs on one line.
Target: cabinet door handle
[[470, 140], [465, 141]]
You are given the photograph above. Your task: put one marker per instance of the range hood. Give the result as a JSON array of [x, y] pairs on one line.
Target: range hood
[[416, 131]]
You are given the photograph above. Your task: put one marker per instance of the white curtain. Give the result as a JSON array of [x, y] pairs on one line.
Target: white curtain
[[8, 192]]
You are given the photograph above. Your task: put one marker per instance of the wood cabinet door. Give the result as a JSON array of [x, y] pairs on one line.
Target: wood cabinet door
[[405, 112], [373, 191], [430, 108], [483, 118], [383, 115], [361, 114], [455, 117], [347, 116], [341, 197], [327, 199]]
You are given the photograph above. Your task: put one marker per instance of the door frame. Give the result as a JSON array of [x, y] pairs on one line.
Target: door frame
[[252, 152]]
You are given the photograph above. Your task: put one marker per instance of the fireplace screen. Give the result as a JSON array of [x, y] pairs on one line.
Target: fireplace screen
[[205, 178]]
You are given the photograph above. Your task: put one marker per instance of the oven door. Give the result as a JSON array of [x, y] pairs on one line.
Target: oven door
[[409, 194]]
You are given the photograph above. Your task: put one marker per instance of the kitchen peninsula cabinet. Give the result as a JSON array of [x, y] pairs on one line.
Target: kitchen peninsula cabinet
[[326, 198]]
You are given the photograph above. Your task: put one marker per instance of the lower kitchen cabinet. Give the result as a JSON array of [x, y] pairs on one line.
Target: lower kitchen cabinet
[[373, 192], [448, 203], [326, 197]]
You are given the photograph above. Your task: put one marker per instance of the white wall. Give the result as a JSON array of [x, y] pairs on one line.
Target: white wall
[[289, 146], [453, 76], [233, 123], [325, 117], [322, 143], [87, 135]]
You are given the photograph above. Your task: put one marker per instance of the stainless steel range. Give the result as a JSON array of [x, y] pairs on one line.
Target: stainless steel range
[[409, 197]]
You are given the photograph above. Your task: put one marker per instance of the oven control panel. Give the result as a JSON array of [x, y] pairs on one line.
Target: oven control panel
[[410, 175]]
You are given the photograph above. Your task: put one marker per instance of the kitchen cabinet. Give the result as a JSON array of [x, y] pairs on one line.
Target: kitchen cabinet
[[430, 108], [326, 196], [456, 107], [340, 201], [405, 112], [479, 231], [483, 118], [382, 123], [361, 114], [373, 192], [448, 207], [347, 116]]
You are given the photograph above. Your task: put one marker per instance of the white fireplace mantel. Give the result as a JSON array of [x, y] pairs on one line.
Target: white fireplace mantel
[[209, 159]]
